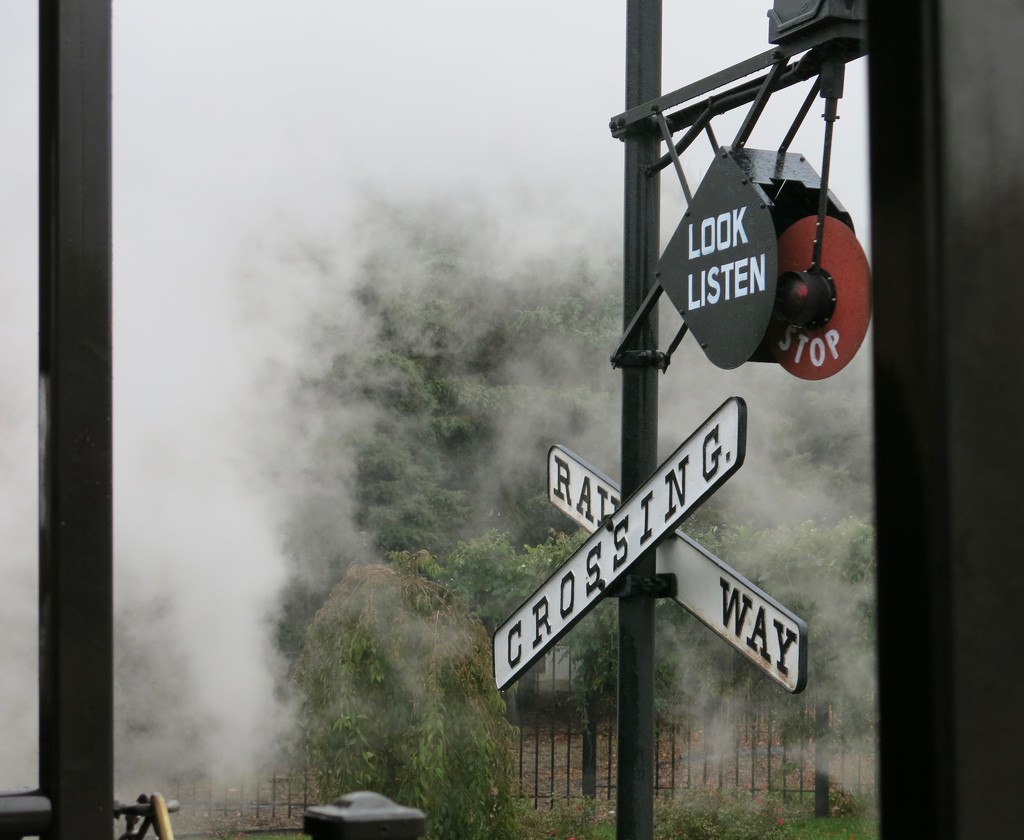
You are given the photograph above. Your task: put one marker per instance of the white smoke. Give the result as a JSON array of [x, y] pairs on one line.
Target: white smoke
[[243, 144]]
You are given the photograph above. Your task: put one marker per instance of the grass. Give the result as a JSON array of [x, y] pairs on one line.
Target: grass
[[833, 828], [576, 822], [802, 828], [711, 815]]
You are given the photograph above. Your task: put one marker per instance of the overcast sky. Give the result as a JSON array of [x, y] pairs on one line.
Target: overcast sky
[[238, 123]]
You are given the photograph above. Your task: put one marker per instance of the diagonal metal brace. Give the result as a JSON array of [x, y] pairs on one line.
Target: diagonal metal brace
[[641, 315], [768, 85], [644, 358], [674, 155]]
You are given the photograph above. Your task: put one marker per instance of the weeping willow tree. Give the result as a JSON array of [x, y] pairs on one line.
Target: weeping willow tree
[[398, 698]]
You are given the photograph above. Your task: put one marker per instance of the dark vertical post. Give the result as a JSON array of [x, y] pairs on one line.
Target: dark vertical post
[[589, 758], [635, 806], [75, 520], [947, 180], [822, 755]]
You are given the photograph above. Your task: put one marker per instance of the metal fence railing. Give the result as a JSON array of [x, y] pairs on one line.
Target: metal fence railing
[[743, 746], [780, 745], [264, 800], [748, 751]]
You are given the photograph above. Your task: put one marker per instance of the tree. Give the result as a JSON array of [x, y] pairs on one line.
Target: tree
[[469, 368], [493, 577], [431, 426]]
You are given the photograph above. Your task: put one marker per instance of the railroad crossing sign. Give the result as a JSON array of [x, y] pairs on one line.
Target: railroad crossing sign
[[719, 269], [690, 475], [768, 634]]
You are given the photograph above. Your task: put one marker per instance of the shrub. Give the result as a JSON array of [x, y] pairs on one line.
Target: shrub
[[398, 698], [718, 815], [844, 804], [576, 819]]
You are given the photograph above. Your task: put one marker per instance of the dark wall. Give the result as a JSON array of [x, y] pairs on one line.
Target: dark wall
[[947, 134]]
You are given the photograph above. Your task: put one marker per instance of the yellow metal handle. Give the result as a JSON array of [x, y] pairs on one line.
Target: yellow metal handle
[[161, 817]]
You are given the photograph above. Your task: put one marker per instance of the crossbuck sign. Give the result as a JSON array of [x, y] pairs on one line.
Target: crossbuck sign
[[762, 630], [690, 475]]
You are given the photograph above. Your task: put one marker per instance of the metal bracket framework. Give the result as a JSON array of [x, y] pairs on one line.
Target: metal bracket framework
[[843, 39], [643, 358], [825, 53], [651, 586]]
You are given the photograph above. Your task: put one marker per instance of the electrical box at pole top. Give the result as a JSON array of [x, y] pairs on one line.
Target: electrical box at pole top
[[788, 18]]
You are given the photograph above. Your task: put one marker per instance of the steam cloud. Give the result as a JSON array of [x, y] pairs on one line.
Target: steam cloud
[[239, 231]]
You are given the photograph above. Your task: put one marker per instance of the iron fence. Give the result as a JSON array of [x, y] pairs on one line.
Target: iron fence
[[743, 748], [764, 743], [265, 800], [733, 743]]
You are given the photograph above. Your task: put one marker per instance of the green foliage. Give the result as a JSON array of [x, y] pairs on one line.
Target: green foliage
[[822, 571], [696, 815], [458, 359], [843, 804], [437, 422], [430, 423], [404, 500], [398, 697], [576, 819], [825, 574], [494, 578], [718, 815], [560, 822], [822, 457], [834, 828], [594, 648]]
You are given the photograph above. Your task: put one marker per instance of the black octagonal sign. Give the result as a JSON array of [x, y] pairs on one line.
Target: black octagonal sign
[[720, 267]]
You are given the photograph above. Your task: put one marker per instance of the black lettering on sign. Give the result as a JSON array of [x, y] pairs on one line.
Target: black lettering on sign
[[566, 608], [595, 583], [783, 646], [710, 469], [731, 603], [645, 503], [760, 632], [584, 503], [676, 487], [562, 480], [540, 619], [621, 546], [605, 510], [515, 630]]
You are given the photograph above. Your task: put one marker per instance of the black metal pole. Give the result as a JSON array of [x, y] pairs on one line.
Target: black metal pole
[[75, 519], [635, 805], [822, 755], [589, 758]]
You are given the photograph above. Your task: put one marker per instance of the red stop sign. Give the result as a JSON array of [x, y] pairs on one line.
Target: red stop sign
[[820, 352]]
